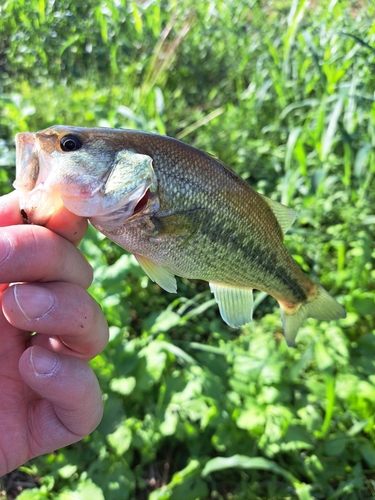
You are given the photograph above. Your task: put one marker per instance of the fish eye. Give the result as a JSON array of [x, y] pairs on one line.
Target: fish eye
[[70, 143]]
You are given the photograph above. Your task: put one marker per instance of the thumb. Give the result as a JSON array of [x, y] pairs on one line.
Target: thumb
[[71, 406]]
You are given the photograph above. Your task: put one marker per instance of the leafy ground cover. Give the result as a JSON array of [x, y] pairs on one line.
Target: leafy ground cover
[[283, 92]]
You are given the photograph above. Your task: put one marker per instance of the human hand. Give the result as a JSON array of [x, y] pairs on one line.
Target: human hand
[[49, 396]]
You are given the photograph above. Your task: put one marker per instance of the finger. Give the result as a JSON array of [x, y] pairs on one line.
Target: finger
[[62, 222], [65, 316], [71, 407], [33, 253], [9, 210], [68, 225]]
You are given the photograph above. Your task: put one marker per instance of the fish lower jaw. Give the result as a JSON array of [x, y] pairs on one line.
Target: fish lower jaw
[[37, 206]]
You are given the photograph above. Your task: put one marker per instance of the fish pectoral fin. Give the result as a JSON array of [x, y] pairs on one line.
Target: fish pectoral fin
[[164, 278], [235, 304], [285, 216], [184, 223]]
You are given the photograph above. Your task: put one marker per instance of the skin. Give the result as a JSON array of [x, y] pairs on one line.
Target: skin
[[49, 396]]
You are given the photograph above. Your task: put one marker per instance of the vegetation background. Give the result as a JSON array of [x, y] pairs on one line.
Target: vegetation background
[[283, 92]]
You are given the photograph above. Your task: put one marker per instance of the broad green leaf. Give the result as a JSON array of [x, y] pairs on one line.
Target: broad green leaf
[[86, 490], [169, 424], [67, 471], [123, 385], [367, 450], [120, 440], [33, 494], [155, 359], [165, 321], [251, 418]]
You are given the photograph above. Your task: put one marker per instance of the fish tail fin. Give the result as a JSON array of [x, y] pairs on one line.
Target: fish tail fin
[[322, 306]]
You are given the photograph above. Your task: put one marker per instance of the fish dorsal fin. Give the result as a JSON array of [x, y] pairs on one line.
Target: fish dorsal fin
[[164, 278], [235, 304], [285, 216]]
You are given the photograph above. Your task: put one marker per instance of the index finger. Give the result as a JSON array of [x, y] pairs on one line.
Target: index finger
[[62, 222], [9, 210], [33, 253]]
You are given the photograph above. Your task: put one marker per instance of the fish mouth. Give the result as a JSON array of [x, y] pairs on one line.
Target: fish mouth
[[27, 165], [36, 202]]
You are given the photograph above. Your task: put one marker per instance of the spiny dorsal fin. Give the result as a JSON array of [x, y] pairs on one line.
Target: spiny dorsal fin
[[164, 278], [235, 304], [285, 216]]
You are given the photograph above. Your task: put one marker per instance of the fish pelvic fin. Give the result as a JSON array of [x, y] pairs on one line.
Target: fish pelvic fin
[[235, 304], [164, 278], [322, 306]]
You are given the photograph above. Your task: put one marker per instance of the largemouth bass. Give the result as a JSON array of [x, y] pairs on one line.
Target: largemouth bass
[[180, 211]]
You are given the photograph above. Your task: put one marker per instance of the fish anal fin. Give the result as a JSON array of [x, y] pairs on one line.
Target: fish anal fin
[[235, 304], [285, 216], [164, 278], [322, 306]]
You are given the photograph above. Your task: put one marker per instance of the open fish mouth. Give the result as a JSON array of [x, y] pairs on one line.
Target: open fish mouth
[[37, 202], [108, 194], [27, 164]]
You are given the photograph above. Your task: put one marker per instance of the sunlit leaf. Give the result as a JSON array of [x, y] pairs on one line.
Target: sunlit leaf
[[120, 440], [243, 462]]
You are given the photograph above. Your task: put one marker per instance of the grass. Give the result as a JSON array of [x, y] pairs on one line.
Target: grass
[[283, 92]]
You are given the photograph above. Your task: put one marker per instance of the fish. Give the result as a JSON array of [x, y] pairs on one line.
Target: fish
[[179, 210]]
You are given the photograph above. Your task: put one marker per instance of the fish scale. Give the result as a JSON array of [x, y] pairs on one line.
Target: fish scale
[[179, 210]]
